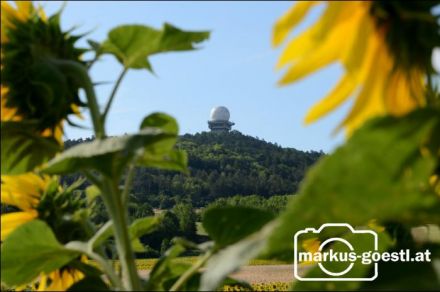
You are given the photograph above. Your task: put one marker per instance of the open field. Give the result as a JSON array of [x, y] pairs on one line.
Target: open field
[[147, 264]]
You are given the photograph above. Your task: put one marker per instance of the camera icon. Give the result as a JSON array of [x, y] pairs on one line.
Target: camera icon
[[335, 256]]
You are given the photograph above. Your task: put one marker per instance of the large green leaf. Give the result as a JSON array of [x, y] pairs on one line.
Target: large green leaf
[[143, 226], [138, 228], [173, 160], [107, 155], [380, 173], [162, 121], [165, 269], [23, 148], [30, 250], [153, 146], [229, 259], [405, 276], [162, 154], [89, 284], [227, 225], [133, 44]]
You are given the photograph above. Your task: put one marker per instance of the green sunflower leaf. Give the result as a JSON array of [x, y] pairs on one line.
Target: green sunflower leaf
[[143, 226], [231, 258], [173, 160], [152, 145], [31, 249], [227, 225], [162, 155], [166, 269], [108, 155], [382, 173], [93, 283], [133, 44], [23, 149]]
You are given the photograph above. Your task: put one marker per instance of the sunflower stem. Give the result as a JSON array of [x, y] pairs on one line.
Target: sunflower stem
[[191, 271], [79, 72], [118, 212], [113, 94], [107, 269], [112, 197], [128, 182]]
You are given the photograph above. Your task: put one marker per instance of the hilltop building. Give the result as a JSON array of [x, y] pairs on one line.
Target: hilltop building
[[219, 120]]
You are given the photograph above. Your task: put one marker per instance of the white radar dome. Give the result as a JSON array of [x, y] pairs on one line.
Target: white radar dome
[[220, 113]]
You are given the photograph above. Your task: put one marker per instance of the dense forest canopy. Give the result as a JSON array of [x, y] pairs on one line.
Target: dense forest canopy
[[221, 165]]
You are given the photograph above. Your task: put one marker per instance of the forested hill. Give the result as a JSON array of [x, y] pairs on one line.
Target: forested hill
[[223, 165]]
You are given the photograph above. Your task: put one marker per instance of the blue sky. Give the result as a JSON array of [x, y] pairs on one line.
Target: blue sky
[[234, 68]]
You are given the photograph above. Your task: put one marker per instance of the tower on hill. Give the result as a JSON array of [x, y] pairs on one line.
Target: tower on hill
[[219, 120]]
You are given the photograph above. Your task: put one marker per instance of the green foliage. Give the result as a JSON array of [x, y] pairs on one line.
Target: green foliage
[[187, 219], [136, 211], [173, 160], [387, 171], [133, 44], [38, 89], [221, 165], [234, 256], [165, 269], [381, 182], [65, 211], [227, 225], [273, 204], [22, 148], [30, 250], [143, 226], [107, 155], [167, 229], [89, 284]]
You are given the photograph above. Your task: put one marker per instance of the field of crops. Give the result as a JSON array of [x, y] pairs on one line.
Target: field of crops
[[147, 264], [271, 286]]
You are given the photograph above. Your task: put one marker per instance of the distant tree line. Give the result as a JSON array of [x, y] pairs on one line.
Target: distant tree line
[[274, 204], [225, 169], [221, 165]]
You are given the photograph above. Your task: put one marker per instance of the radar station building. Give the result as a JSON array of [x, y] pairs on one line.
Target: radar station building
[[219, 120]]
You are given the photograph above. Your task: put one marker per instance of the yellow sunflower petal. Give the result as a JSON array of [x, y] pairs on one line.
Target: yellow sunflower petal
[[57, 133], [336, 97], [8, 14], [311, 244], [7, 114], [373, 75], [287, 22], [357, 43], [42, 285], [369, 103], [23, 190], [322, 56], [66, 279], [24, 9], [10, 221], [313, 37], [401, 98]]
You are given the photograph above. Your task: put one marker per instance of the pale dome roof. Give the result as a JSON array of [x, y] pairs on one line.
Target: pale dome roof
[[220, 113]]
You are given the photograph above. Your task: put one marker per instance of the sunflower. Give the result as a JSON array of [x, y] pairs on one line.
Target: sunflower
[[384, 48], [311, 246], [59, 280], [33, 87], [33, 196], [23, 192]]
